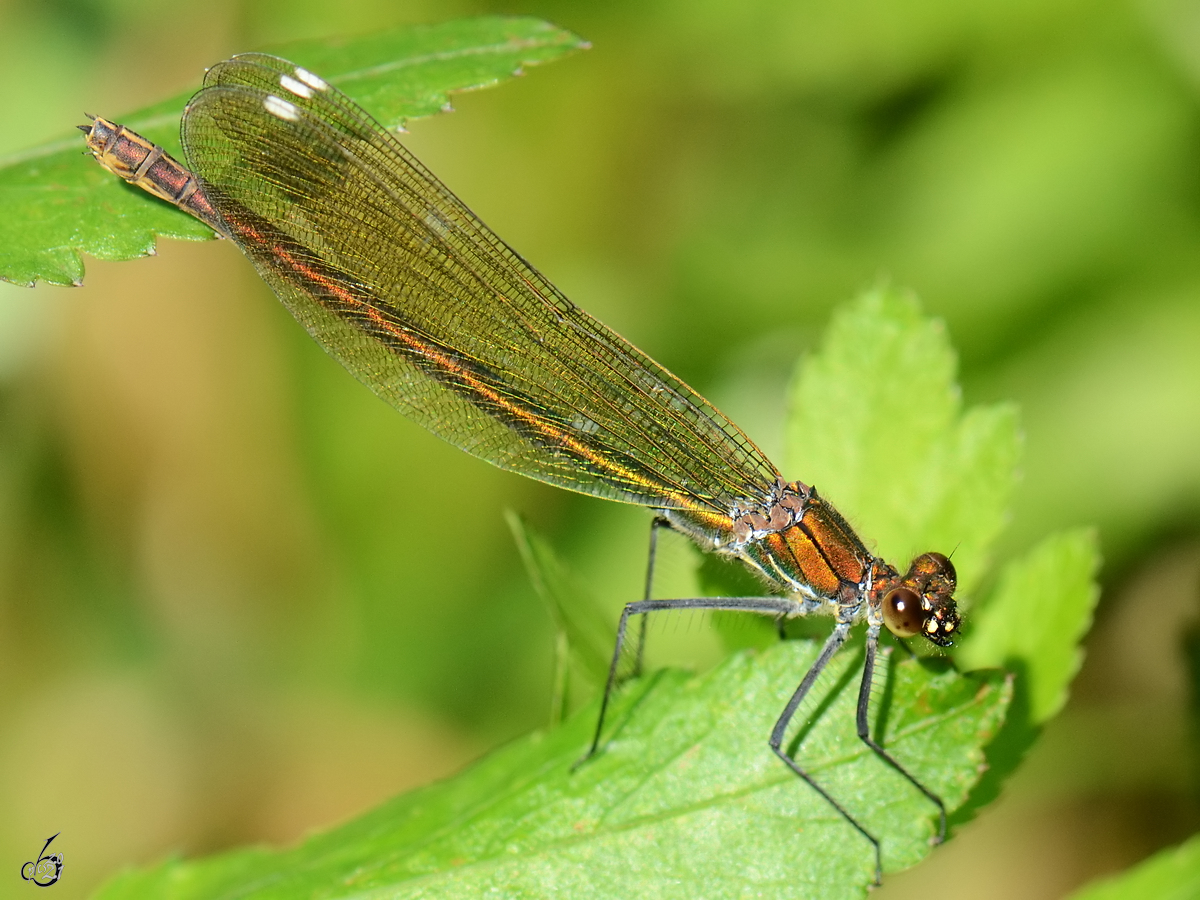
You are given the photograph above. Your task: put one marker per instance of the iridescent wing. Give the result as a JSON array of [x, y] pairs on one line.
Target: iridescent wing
[[420, 301]]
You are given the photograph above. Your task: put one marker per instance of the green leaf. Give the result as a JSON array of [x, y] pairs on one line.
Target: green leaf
[[877, 426], [1173, 874], [1034, 620], [1032, 625], [56, 203], [684, 801]]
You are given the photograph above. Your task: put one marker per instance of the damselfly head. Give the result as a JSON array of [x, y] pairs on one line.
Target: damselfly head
[[922, 602]]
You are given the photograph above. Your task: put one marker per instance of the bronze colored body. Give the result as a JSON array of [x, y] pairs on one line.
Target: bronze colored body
[[799, 544]]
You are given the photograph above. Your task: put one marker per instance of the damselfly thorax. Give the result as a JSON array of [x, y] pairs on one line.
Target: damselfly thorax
[[799, 544]]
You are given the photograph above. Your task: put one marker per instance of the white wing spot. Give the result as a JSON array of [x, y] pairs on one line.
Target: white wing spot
[[280, 108], [317, 84], [299, 88]]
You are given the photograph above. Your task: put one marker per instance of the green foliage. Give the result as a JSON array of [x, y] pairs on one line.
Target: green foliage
[[1036, 617], [886, 370], [877, 423], [877, 426], [685, 801], [1173, 874], [685, 796], [56, 203]]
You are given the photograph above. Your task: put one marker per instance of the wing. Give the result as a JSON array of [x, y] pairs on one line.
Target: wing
[[419, 300]]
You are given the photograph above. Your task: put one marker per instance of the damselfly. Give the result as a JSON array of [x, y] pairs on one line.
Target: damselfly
[[419, 300]]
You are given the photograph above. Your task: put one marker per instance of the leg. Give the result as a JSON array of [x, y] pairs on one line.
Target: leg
[[769, 605], [659, 522], [832, 643], [864, 730]]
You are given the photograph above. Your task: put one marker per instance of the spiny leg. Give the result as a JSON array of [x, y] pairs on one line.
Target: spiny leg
[[864, 729], [777, 606], [659, 522], [835, 640]]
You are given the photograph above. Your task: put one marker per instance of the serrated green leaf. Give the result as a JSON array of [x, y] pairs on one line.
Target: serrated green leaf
[[1173, 874], [684, 801], [877, 426], [1034, 620], [56, 203]]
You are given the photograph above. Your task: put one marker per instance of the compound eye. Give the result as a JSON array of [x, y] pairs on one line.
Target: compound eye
[[902, 613]]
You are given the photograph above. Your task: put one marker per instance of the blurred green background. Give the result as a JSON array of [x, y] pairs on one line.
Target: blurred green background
[[231, 607]]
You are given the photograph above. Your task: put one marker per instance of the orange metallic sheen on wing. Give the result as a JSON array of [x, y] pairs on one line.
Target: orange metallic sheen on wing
[[312, 276]]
